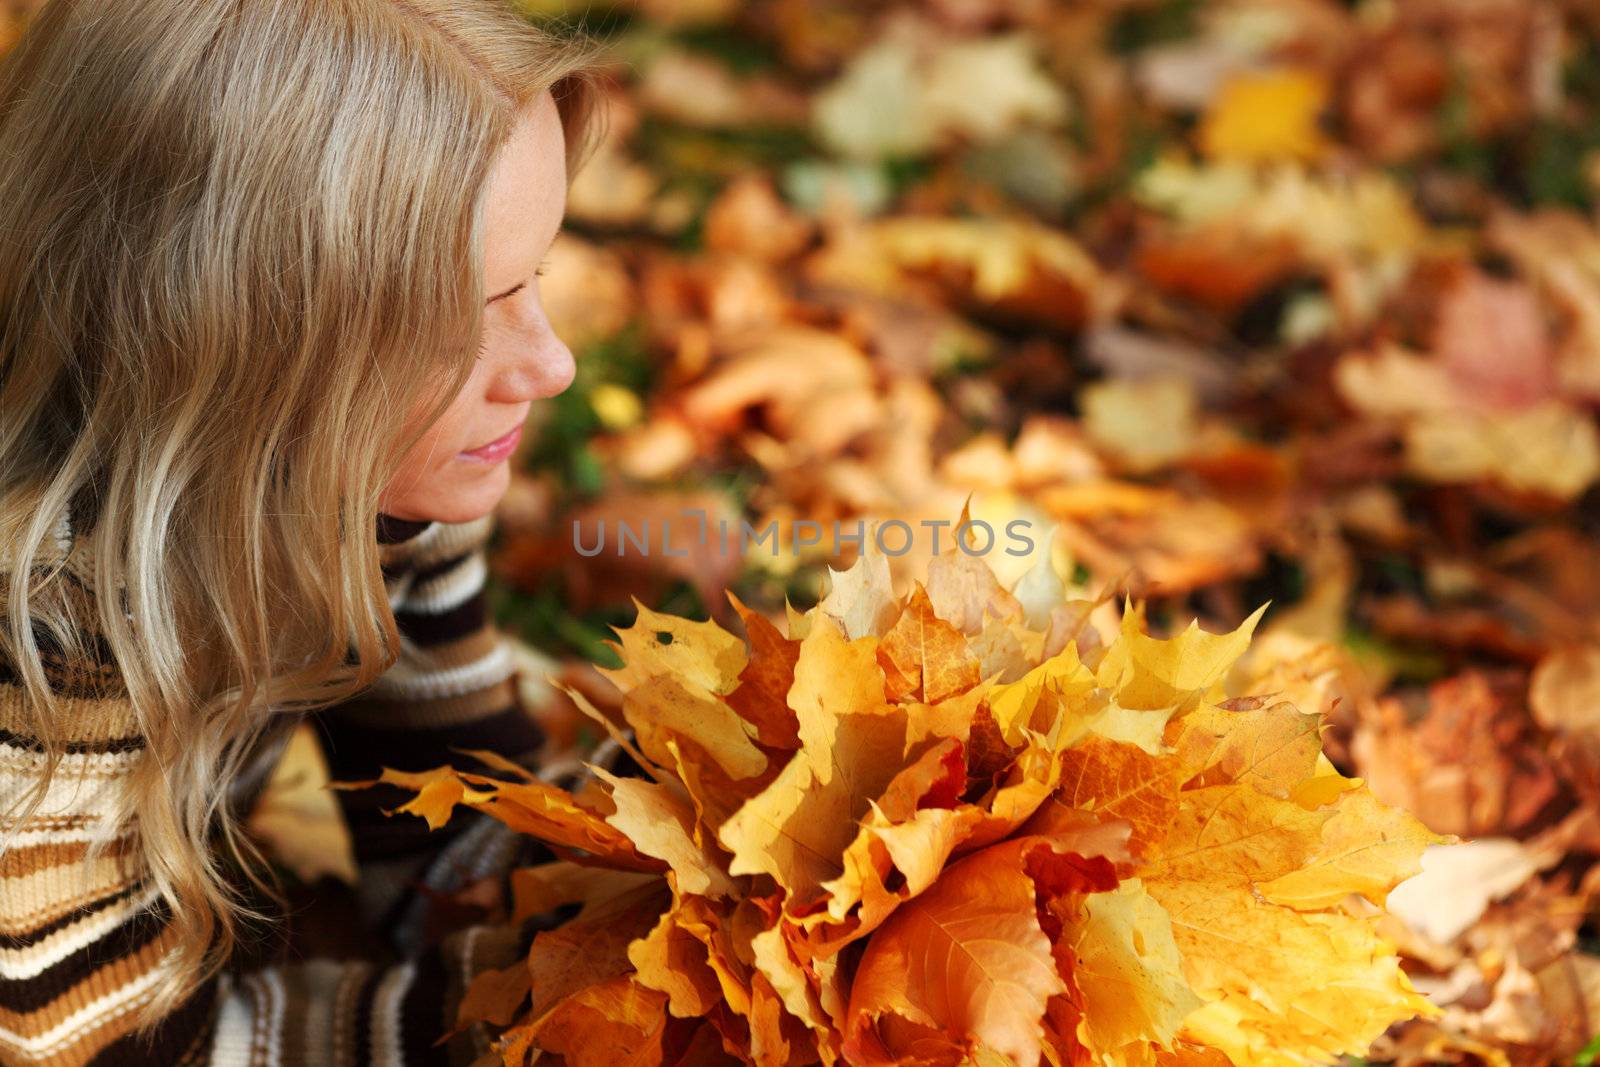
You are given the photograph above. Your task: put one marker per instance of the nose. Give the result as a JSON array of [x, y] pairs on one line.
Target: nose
[[541, 367]]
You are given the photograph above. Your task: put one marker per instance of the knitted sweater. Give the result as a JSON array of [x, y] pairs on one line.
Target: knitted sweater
[[80, 941]]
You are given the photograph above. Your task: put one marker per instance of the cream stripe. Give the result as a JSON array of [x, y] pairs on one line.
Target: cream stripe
[[67, 794], [28, 836], [21, 922], [440, 541], [451, 589], [408, 681], [231, 1045], [448, 539], [386, 1013], [63, 530], [72, 765], [398, 590], [54, 883], [25, 963], [273, 1012]]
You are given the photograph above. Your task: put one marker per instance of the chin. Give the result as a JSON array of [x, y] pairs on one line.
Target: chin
[[466, 499]]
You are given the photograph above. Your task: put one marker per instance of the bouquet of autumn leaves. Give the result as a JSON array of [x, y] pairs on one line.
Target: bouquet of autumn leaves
[[954, 830]]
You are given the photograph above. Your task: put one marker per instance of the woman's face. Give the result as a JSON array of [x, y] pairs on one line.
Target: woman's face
[[447, 476]]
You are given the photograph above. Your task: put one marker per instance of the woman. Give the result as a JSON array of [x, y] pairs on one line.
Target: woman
[[268, 308]]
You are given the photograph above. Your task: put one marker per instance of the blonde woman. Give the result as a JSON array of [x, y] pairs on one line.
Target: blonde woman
[[269, 320]]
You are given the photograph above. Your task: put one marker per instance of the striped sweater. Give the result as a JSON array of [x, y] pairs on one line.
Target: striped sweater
[[80, 941]]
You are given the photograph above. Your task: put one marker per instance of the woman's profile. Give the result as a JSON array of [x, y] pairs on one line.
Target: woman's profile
[[269, 323]]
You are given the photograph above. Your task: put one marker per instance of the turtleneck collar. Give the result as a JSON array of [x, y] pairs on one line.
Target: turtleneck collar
[[392, 531]]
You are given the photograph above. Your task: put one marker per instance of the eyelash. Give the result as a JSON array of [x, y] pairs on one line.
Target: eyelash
[[483, 346]]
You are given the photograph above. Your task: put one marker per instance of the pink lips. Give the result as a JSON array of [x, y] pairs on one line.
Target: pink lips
[[496, 450]]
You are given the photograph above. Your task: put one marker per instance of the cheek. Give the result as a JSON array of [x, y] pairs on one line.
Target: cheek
[[439, 441], [424, 456], [449, 428]]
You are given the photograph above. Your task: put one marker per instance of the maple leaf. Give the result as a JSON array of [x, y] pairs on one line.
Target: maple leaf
[[924, 656], [614, 1023], [593, 947], [1109, 780], [530, 807], [673, 961], [660, 823], [1251, 959], [966, 958], [852, 746], [1129, 972]]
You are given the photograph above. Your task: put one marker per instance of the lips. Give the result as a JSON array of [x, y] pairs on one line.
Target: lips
[[496, 451], [503, 439]]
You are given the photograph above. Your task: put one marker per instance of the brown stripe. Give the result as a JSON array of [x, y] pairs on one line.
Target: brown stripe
[[260, 1011], [312, 993], [393, 531], [33, 858], [420, 1012], [362, 1013], [344, 1011], [362, 752], [94, 675], [376, 837], [428, 629], [71, 913], [445, 564], [98, 723], [460, 651]]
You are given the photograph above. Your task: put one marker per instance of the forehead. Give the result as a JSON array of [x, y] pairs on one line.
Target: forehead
[[527, 186]]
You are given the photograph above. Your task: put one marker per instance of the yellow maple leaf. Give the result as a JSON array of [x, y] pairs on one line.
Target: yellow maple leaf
[[672, 960], [798, 828], [1273, 748], [1367, 848], [530, 807], [1276, 979], [660, 823], [1130, 974]]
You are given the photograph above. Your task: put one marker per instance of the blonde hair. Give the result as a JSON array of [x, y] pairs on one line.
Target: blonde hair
[[240, 249]]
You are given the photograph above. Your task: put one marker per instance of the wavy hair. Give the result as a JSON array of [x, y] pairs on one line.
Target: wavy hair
[[241, 272]]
